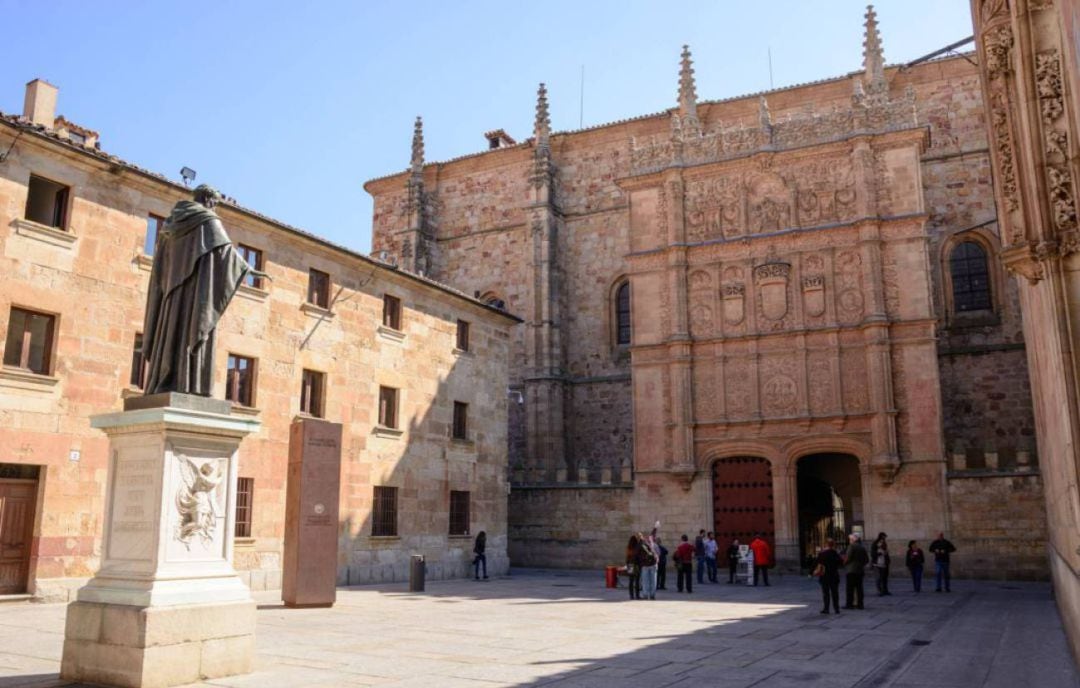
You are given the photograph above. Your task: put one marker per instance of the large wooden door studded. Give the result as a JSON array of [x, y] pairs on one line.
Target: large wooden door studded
[[17, 499], [742, 499]]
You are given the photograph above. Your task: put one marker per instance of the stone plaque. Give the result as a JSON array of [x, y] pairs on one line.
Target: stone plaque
[[134, 517], [309, 578]]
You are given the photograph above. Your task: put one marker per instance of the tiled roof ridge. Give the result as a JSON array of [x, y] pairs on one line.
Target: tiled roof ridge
[[25, 124], [668, 111]]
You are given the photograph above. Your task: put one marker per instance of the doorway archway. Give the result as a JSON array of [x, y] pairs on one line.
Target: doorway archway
[[829, 501], [743, 499]]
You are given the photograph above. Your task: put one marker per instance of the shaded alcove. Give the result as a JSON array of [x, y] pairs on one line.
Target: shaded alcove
[[830, 501]]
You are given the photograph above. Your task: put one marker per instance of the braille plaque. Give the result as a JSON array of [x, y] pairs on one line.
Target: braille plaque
[[309, 578]]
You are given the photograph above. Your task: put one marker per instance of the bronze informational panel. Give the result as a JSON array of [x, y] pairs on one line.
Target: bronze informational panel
[[17, 499], [743, 499], [309, 578]]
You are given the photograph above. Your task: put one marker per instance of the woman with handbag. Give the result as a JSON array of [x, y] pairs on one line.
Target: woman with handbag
[[827, 572], [879, 557], [633, 567]]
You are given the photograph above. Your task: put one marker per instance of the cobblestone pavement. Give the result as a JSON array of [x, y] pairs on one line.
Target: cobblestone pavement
[[563, 629]]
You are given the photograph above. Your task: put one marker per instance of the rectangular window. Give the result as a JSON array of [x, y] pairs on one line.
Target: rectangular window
[[462, 335], [311, 393], [153, 229], [29, 341], [461, 420], [384, 512], [388, 411], [459, 512], [245, 491], [254, 258], [47, 202], [138, 363], [240, 380], [318, 291], [391, 312]]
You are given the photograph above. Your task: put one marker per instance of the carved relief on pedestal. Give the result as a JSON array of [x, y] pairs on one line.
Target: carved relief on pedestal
[[849, 298], [197, 500]]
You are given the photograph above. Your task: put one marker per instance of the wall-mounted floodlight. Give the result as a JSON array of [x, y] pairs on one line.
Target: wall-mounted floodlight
[[188, 174]]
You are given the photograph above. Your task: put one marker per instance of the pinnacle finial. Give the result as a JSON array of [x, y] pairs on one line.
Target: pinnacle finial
[[687, 89], [764, 116], [542, 126], [417, 163], [873, 55]]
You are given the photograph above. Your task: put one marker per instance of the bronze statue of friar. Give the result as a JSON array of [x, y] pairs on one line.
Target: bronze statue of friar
[[195, 275]]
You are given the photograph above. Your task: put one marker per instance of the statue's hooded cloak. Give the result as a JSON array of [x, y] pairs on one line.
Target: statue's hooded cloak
[[195, 274]]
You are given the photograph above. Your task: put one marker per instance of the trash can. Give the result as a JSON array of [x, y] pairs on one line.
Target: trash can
[[611, 576], [416, 573]]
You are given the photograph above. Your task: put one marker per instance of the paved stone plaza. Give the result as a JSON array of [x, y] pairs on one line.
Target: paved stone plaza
[[564, 629]]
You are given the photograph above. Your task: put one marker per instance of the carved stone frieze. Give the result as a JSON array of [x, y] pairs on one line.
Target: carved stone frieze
[[998, 44], [1048, 85], [1003, 145]]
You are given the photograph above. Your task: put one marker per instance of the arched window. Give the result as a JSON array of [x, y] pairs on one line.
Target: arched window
[[622, 314], [970, 278]]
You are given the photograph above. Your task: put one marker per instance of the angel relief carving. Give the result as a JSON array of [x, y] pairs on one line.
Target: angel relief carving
[[195, 499]]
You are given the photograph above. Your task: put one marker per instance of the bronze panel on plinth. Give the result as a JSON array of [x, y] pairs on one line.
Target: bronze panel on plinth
[[309, 578]]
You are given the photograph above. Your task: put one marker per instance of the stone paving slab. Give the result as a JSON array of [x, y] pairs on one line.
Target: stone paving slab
[[564, 630]]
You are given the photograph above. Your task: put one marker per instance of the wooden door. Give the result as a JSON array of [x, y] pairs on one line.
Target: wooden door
[[742, 499], [17, 498]]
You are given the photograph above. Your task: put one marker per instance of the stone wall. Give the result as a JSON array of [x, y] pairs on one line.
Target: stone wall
[[95, 284]]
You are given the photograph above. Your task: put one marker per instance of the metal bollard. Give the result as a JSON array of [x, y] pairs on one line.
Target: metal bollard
[[416, 573]]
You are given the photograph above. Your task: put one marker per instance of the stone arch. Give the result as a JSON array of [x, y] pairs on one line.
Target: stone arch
[[988, 242], [826, 444], [743, 488], [611, 311]]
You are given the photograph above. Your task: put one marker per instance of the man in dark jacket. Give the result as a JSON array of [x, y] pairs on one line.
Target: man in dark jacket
[[699, 554], [855, 563], [684, 556], [732, 560], [941, 549], [661, 571]]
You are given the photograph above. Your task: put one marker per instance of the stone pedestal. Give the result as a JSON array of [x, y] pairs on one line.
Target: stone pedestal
[[166, 607]]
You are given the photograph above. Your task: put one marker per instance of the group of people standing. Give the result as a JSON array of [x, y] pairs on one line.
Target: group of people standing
[[856, 560], [646, 562]]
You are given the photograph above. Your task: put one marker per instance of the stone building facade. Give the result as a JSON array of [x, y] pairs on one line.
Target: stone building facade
[[1029, 64], [781, 312], [317, 340]]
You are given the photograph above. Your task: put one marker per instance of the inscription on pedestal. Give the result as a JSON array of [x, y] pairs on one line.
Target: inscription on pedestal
[[134, 514]]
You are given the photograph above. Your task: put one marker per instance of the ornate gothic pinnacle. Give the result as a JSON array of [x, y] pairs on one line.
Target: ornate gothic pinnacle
[[687, 89], [873, 55], [542, 127], [417, 163], [764, 116]]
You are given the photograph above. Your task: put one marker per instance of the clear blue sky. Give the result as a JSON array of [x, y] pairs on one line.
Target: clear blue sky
[[291, 106]]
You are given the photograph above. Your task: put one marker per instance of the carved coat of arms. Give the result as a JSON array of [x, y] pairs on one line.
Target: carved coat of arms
[[772, 281]]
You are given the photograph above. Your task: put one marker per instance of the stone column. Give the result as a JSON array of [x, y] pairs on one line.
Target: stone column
[[166, 606]]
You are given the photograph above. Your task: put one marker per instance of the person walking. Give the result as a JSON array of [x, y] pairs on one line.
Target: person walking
[[699, 555], [479, 558], [649, 560], [828, 573], [633, 568], [762, 558], [855, 565], [941, 549], [661, 567], [914, 560], [879, 556], [684, 557], [732, 560], [711, 549]]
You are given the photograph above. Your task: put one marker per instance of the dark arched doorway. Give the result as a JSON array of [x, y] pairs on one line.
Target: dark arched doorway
[[742, 499], [830, 501]]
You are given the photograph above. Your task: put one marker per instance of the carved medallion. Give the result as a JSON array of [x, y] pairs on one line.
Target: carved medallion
[[780, 393]]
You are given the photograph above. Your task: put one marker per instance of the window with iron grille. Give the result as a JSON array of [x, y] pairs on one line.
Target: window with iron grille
[[318, 292], [459, 512], [138, 363], [153, 229], [622, 314], [391, 312], [47, 202], [384, 512], [29, 341], [245, 492], [970, 278], [462, 335], [388, 407], [461, 420], [254, 258], [240, 380], [312, 387]]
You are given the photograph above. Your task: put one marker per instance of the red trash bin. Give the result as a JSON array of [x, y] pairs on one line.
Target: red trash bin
[[611, 576]]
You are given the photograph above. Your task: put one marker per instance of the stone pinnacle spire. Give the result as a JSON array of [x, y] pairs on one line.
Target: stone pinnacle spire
[[417, 164], [873, 56], [687, 89], [542, 127], [765, 120]]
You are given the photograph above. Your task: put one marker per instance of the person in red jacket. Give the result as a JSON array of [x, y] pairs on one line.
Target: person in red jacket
[[684, 557], [762, 557]]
